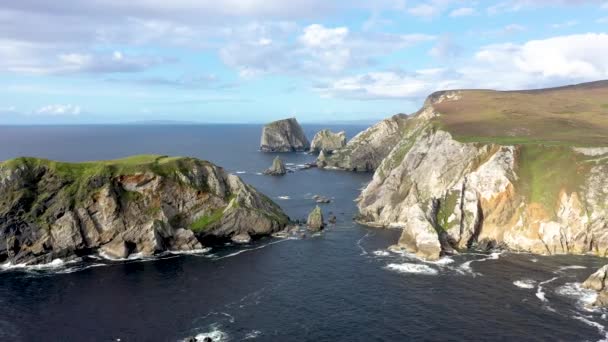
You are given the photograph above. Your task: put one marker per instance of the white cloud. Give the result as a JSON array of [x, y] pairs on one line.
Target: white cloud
[[316, 50], [463, 12], [519, 5], [603, 20], [445, 48], [59, 110], [425, 10], [548, 62], [566, 24]]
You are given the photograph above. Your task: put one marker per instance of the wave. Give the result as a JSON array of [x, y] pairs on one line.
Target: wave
[[525, 283], [381, 253], [253, 249], [215, 334], [466, 268], [584, 297], [412, 268], [540, 291], [363, 251], [601, 329], [193, 251], [570, 267], [252, 334], [284, 198]]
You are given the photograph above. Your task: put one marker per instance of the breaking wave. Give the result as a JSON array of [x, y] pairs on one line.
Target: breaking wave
[[412, 268]]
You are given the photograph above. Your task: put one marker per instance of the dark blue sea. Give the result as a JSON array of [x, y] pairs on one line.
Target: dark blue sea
[[342, 285]]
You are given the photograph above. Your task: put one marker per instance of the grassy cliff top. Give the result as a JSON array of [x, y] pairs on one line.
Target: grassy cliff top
[[139, 163], [573, 115]]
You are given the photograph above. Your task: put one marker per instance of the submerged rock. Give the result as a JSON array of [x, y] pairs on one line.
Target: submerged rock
[[142, 204], [315, 219], [277, 168], [284, 136], [328, 141]]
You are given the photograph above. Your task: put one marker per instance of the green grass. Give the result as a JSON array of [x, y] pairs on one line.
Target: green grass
[[544, 171], [574, 116], [203, 222], [446, 209]]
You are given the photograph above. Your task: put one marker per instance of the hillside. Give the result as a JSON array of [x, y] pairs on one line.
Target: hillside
[[573, 115], [138, 205]]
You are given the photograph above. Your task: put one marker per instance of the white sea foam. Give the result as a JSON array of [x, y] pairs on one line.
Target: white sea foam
[[55, 263], [259, 173], [540, 291], [215, 334], [252, 334], [241, 172], [598, 326], [193, 251], [525, 283], [466, 268], [570, 267], [412, 268], [363, 251], [253, 249], [285, 198], [381, 253], [441, 262], [584, 297]]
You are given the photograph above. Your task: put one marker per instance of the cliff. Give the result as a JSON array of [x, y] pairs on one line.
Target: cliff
[[527, 171], [284, 136], [143, 204], [328, 141], [366, 150]]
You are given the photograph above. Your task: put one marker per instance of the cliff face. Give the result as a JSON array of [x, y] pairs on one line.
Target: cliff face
[[328, 141], [366, 150], [448, 194], [284, 136], [143, 204]]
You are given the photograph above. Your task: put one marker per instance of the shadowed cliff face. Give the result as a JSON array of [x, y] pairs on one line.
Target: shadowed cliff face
[[541, 194], [142, 204]]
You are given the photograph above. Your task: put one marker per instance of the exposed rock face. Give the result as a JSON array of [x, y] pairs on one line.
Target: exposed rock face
[[144, 204], [448, 195], [328, 141], [284, 136], [277, 168], [315, 219], [597, 282], [367, 149]]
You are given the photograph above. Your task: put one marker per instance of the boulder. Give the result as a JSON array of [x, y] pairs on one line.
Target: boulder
[[241, 238], [277, 168], [597, 282], [328, 141], [315, 219], [284, 136]]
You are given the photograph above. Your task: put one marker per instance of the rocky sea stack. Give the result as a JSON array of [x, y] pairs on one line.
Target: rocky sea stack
[[277, 168], [328, 141], [142, 204], [598, 282], [315, 219], [284, 136], [484, 169]]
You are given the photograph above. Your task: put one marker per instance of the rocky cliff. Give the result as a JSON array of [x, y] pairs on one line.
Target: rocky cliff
[[284, 136], [328, 141], [517, 183], [142, 204], [366, 150]]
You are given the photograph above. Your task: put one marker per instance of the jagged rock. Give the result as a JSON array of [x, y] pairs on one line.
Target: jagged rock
[[321, 160], [333, 219], [277, 168], [449, 195], [315, 219], [328, 141], [241, 238], [367, 149], [597, 282], [284, 136], [142, 204]]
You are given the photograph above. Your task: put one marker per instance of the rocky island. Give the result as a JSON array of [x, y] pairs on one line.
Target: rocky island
[[520, 170], [284, 136], [143, 204], [327, 141]]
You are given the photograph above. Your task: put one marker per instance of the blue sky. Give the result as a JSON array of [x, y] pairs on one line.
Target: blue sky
[[250, 61]]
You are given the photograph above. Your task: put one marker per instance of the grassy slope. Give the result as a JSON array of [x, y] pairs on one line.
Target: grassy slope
[[575, 115]]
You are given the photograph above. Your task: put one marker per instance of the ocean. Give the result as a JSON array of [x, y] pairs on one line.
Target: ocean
[[340, 285]]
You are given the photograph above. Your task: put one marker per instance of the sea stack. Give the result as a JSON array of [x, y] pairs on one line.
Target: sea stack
[[284, 136], [277, 168], [597, 282], [315, 219], [328, 141]]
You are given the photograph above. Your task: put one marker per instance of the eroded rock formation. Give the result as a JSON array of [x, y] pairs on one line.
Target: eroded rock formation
[[284, 136]]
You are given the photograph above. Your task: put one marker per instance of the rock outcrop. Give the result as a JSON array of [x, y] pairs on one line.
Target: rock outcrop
[[598, 282], [328, 141], [448, 195], [367, 149], [315, 219], [142, 204], [284, 136], [277, 168]]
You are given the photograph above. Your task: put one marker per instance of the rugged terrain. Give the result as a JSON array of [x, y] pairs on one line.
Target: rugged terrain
[[527, 171], [328, 141], [284, 136], [143, 204]]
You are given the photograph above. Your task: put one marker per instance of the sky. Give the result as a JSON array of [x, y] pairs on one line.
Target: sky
[[253, 61]]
